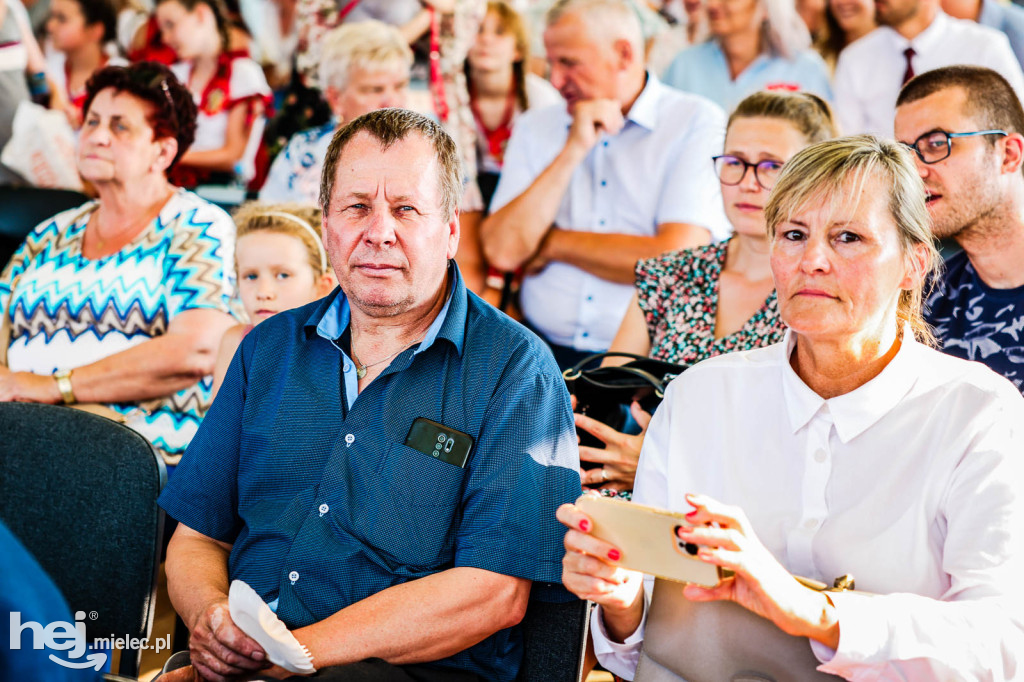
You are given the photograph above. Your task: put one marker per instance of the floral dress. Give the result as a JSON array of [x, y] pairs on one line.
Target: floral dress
[[678, 293]]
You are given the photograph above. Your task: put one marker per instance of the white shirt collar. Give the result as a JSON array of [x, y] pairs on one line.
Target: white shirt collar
[[856, 411], [929, 39], [644, 111]]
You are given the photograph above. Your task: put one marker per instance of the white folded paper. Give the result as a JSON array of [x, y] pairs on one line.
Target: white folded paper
[[254, 618]]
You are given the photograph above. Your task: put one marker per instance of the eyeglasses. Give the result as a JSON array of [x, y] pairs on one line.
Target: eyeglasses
[[937, 145], [731, 170]]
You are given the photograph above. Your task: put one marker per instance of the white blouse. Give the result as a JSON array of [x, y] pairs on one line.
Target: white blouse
[[912, 483]]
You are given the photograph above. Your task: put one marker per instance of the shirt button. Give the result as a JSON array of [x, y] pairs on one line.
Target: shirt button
[[811, 524], [324, 508], [590, 298], [293, 576], [604, 183], [348, 367], [586, 334], [605, 143], [350, 438], [820, 456], [600, 222]]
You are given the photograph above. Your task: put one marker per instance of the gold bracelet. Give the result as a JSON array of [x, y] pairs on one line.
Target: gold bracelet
[[63, 379]]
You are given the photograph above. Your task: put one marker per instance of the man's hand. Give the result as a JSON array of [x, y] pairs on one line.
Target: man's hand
[[590, 118], [220, 651]]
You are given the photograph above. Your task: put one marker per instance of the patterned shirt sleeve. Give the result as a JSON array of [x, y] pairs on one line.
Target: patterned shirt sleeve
[[651, 293], [199, 271]]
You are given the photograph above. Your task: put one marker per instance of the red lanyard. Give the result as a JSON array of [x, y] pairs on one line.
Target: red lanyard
[[346, 9], [496, 137], [436, 78]]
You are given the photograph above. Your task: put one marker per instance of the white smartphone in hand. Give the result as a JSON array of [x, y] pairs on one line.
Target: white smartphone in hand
[[647, 538]]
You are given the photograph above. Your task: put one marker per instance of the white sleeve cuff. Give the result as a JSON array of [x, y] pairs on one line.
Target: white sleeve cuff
[[861, 635], [618, 658]]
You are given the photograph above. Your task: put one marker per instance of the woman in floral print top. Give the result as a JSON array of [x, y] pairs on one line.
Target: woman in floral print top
[[693, 304]]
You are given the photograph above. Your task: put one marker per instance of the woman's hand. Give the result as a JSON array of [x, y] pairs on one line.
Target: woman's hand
[[620, 454], [760, 584], [590, 570], [27, 387]]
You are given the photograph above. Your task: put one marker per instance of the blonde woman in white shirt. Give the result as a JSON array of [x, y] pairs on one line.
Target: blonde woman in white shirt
[[850, 447]]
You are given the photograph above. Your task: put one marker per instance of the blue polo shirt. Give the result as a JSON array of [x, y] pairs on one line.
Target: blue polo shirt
[[323, 503]]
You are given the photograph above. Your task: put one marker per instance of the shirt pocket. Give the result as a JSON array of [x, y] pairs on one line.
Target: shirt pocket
[[419, 479], [414, 508]]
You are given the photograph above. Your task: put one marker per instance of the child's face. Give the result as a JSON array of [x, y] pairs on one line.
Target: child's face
[[274, 274], [183, 30], [66, 25]]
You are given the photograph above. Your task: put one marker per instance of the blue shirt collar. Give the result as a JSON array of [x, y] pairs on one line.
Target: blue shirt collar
[[331, 318]]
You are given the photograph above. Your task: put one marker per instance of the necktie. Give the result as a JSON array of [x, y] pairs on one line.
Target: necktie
[[909, 73]]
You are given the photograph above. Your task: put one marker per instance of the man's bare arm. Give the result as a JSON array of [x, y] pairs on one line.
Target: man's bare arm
[[614, 256], [512, 234], [421, 620], [197, 582]]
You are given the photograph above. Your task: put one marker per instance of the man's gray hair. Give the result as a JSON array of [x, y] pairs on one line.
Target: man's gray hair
[[389, 126], [371, 45], [616, 18]]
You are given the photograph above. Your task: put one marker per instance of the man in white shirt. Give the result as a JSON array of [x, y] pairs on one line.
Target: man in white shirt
[[975, 196], [914, 37], [623, 173], [1005, 17]]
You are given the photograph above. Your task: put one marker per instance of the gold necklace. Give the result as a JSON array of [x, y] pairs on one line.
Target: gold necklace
[[361, 368], [134, 228]]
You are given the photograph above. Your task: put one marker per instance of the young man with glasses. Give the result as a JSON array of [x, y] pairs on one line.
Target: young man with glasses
[[965, 126]]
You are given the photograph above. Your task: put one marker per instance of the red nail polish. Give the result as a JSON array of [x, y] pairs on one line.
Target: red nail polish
[[585, 526], [614, 555]]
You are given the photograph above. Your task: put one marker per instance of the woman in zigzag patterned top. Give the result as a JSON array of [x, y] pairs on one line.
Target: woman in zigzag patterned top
[[122, 302]]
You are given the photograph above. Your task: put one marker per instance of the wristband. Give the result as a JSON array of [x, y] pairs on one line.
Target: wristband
[[63, 379]]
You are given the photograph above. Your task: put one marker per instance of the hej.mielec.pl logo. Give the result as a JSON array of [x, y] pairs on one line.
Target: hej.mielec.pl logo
[[69, 639]]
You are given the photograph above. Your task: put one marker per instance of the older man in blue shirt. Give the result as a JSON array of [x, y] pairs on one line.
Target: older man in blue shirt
[[623, 173], [319, 478]]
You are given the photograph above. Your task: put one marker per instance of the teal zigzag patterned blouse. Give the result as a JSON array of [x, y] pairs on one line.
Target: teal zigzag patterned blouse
[[67, 310]]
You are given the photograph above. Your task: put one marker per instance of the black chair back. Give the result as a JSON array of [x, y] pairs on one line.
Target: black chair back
[[22, 208], [555, 639], [80, 492]]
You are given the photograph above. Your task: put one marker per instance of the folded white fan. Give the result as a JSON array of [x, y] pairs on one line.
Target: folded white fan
[[254, 618]]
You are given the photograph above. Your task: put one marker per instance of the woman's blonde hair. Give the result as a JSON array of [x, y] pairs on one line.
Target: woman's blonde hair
[[823, 173], [808, 113], [784, 32], [301, 221]]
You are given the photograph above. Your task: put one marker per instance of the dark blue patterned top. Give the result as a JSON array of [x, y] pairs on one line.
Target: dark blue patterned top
[[324, 504], [976, 322]]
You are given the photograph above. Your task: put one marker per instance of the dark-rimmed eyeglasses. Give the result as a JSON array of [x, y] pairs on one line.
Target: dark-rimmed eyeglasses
[[937, 145], [731, 170]]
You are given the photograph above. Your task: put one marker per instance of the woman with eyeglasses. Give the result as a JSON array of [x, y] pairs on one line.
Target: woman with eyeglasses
[[123, 301], [694, 304]]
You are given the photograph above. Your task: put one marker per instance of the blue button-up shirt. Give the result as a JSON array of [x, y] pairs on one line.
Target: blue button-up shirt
[[325, 505], [703, 69], [656, 170]]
